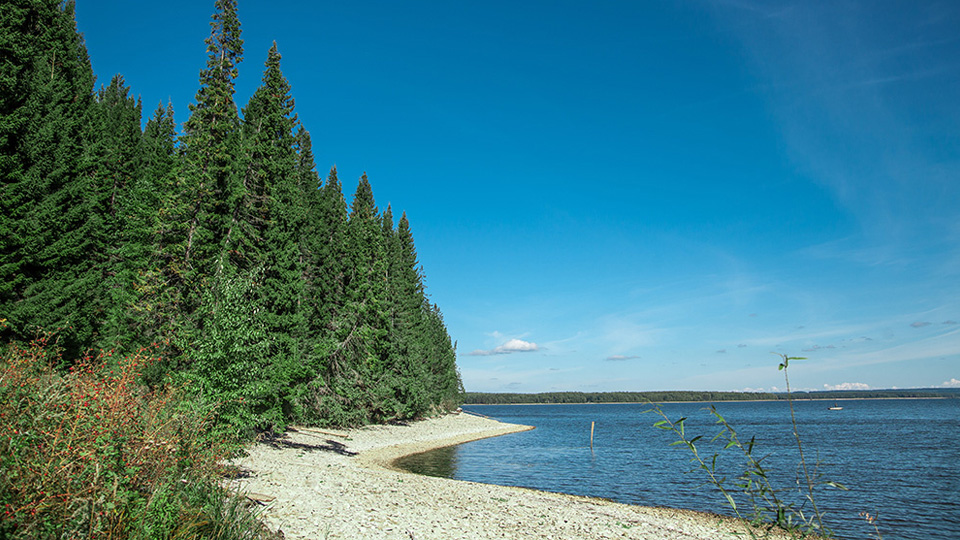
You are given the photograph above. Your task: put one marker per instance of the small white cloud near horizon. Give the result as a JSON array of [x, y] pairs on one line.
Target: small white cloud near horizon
[[511, 346], [952, 383], [920, 324], [847, 386], [620, 357]]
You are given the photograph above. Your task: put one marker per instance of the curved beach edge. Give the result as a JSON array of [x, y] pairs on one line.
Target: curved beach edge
[[330, 484], [386, 457]]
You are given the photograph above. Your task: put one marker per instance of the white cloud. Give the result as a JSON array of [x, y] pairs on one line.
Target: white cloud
[[511, 346], [952, 383], [847, 386], [517, 345], [618, 357]]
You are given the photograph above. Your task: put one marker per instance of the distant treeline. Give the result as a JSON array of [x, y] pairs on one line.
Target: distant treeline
[[480, 398]]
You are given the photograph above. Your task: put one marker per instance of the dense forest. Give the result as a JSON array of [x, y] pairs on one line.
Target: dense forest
[[479, 398], [218, 246]]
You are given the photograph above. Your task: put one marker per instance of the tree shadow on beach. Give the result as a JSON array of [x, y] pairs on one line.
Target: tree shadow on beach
[[283, 441]]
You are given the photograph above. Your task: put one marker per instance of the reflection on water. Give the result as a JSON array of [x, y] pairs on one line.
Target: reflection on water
[[441, 462]]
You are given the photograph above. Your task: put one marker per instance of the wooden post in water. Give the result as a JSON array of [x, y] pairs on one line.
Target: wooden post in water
[[591, 435]]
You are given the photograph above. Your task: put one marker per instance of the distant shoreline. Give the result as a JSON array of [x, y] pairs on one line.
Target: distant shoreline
[[706, 401]]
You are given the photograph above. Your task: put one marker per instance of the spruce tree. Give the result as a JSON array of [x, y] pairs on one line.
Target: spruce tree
[[366, 289], [308, 184], [328, 250], [267, 221], [209, 181], [210, 147], [409, 319], [441, 361], [158, 290], [114, 159], [46, 89], [328, 398]]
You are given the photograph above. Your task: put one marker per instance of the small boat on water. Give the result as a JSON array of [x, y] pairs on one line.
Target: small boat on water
[[835, 407]]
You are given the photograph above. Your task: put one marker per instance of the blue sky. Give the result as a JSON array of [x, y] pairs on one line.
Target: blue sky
[[630, 195]]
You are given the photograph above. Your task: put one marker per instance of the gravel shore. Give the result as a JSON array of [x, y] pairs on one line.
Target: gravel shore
[[342, 485]]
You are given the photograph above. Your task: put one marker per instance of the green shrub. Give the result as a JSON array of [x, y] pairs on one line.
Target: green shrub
[[89, 452]]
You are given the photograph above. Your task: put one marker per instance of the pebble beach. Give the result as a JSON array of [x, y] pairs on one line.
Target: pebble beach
[[320, 484]]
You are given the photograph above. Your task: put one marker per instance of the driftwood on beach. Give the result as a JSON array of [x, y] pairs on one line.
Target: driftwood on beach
[[340, 434]]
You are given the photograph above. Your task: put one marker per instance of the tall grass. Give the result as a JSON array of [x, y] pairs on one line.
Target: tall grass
[[766, 508], [88, 452]]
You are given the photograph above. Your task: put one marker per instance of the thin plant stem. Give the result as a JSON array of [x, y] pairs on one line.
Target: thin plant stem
[[796, 435]]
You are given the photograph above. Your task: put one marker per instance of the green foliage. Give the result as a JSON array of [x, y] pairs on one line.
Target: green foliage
[[90, 453], [766, 506], [221, 249], [46, 86], [228, 355], [232, 289], [212, 180]]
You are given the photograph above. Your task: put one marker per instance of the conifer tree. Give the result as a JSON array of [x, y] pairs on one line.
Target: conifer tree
[[409, 319], [159, 186], [112, 237], [408, 285], [442, 376], [210, 146], [366, 289], [46, 88], [158, 290], [366, 277], [267, 221], [308, 184], [327, 248], [328, 397], [209, 182]]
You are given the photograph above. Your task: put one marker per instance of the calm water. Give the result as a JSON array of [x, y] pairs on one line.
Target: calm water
[[901, 458]]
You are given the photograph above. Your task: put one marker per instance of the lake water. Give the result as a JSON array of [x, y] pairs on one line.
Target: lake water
[[900, 458]]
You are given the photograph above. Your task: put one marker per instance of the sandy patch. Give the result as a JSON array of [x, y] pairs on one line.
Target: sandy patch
[[342, 485]]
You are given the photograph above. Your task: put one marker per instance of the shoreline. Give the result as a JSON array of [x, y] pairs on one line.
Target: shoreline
[[317, 484], [713, 401]]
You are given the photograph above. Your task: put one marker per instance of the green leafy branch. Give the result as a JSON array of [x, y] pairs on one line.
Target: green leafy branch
[[766, 507]]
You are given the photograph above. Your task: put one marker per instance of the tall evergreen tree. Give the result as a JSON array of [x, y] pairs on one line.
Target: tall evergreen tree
[[158, 290], [441, 361], [119, 237], [329, 397], [366, 292], [409, 325], [308, 185], [46, 89], [267, 221], [366, 276], [328, 250], [209, 182], [210, 146], [407, 279]]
